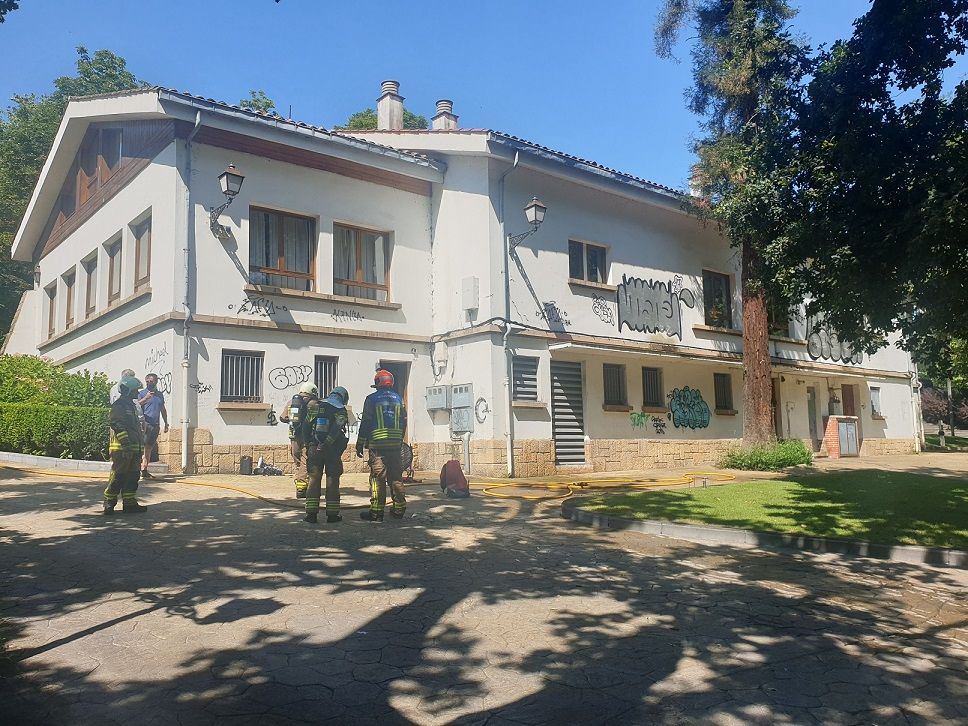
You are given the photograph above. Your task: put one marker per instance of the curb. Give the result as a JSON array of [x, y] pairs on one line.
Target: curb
[[49, 462], [908, 554]]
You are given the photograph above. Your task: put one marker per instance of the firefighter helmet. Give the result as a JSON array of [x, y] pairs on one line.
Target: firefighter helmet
[[383, 379], [309, 389]]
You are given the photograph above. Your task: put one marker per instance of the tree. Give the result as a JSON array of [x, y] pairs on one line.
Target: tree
[[258, 101], [27, 130], [7, 6], [746, 70], [934, 405], [365, 120]]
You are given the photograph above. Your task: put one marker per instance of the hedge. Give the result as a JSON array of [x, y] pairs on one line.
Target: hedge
[[29, 379], [768, 457], [67, 432]]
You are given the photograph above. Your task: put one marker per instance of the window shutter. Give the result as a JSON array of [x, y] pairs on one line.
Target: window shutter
[[724, 391], [652, 388], [524, 378]]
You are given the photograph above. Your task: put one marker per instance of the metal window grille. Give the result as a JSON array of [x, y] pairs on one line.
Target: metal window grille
[[326, 373], [614, 378], [875, 401], [524, 378], [242, 376], [652, 388], [723, 384]]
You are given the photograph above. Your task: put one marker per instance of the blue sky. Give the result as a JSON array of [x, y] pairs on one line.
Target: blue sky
[[577, 76]]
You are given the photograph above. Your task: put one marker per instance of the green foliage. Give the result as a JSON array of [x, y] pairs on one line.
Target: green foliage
[[258, 101], [27, 131], [768, 457], [7, 6], [67, 432], [27, 379], [365, 120]]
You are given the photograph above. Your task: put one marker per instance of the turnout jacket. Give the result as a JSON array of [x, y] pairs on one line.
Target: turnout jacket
[[384, 421], [125, 427], [324, 425]]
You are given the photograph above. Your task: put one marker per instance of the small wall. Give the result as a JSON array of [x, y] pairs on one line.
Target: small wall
[[627, 454], [886, 447]]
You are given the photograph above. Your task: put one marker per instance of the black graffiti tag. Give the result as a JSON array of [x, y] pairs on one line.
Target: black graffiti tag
[[288, 376], [341, 315], [261, 306], [201, 387], [652, 306], [155, 357], [553, 315], [602, 309]]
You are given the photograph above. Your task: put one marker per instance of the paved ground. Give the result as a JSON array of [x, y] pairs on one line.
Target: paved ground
[[219, 608]]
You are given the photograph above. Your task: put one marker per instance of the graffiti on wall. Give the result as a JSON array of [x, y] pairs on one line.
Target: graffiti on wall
[[602, 310], [342, 315], [688, 409], [823, 343], [271, 417], [653, 306], [641, 420], [288, 376], [260, 306], [164, 383], [553, 315], [156, 358], [200, 387]]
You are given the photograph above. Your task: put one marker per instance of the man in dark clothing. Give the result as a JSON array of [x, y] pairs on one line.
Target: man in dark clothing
[[325, 435], [382, 428], [126, 448], [153, 405]]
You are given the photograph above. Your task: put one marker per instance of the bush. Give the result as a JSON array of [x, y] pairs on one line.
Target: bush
[[67, 432], [29, 379], [768, 457]]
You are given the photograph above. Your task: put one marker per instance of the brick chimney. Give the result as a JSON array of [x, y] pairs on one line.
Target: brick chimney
[[389, 108], [444, 120]]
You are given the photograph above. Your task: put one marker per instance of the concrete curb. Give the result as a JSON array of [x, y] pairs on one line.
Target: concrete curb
[[909, 554], [49, 462]]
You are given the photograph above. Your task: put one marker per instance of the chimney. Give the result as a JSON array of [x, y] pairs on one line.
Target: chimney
[[444, 120], [389, 108]]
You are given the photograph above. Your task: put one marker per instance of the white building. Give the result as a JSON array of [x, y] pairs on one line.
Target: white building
[[387, 248]]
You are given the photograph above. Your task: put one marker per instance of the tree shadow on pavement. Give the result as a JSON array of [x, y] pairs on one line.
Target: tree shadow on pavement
[[224, 608]]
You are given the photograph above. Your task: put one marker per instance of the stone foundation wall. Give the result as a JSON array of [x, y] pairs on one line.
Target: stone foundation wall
[[626, 454], [886, 447]]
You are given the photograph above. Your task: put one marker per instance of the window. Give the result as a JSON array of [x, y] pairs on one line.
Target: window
[[110, 153], [326, 373], [779, 318], [876, 402], [723, 385], [652, 396], [114, 272], [360, 263], [718, 301], [97, 161], [69, 279], [524, 378], [614, 380], [142, 254], [90, 286], [282, 250], [586, 262], [51, 310], [242, 376]]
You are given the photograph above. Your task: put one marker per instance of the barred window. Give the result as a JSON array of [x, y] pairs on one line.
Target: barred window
[[723, 384], [524, 378], [326, 373], [614, 379], [652, 396], [242, 376]]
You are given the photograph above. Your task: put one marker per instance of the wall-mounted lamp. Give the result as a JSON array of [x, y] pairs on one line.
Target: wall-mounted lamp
[[36, 275], [230, 182], [535, 214]]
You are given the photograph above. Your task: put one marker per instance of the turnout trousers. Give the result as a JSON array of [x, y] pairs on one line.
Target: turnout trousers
[[124, 477], [319, 463], [386, 469], [300, 471]]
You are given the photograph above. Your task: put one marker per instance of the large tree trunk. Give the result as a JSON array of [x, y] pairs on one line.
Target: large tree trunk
[[757, 384]]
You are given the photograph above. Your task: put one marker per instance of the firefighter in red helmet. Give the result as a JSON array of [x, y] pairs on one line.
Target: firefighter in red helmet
[[382, 428]]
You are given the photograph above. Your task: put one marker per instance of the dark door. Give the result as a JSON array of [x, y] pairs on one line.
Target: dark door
[[567, 413], [849, 394]]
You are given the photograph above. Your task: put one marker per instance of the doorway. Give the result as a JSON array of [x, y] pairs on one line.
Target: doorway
[[812, 414], [849, 395], [401, 383], [567, 413]]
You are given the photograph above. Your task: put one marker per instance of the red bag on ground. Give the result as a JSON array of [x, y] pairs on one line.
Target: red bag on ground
[[453, 482]]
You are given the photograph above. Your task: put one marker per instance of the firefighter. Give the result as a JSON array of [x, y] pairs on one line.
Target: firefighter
[[326, 440], [294, 414], [127, 444], [382, 428]]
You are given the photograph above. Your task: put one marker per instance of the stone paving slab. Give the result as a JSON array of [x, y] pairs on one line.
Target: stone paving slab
[[216, 607]]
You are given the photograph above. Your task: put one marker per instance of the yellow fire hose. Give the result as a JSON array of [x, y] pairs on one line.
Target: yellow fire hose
[[547, 490]]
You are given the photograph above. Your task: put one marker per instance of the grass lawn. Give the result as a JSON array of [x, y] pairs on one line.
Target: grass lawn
[[960, 442], [877, 506]]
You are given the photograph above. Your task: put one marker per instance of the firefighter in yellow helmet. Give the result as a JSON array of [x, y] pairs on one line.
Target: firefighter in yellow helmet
[[127, 445], [294, 414], [382, 427]]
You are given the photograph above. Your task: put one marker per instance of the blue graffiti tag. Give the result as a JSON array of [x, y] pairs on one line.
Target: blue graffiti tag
[[688, 410]]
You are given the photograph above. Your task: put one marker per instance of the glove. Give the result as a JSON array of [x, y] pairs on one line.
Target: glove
[[359, 452], [166, 428]]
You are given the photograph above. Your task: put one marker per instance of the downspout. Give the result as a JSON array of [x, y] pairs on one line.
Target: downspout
[[509, 416], [186, 302]]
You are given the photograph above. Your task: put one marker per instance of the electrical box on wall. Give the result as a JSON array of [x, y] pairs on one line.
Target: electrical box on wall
[[462, 395], [461, 420], [470, 293], [438, 398]]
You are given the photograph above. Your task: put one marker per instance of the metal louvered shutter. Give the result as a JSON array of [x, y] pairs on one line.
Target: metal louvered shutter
[[567, 413], [652, 388], [524, 377], [724, 391]]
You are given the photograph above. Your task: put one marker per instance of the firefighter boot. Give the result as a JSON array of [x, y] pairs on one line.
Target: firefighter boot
[[332, 500], [370, 516], [312, 508], [109, 507]]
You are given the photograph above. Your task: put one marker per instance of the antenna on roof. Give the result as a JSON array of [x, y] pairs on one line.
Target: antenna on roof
[[290, 105]]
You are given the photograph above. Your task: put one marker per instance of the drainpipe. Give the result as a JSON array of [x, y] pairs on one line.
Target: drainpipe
[[186, 302], [509, 416]]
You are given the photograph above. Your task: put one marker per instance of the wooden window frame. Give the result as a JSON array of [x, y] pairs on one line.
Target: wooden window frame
[[623, 380], [729, 300], [70, 289], [141, 282], [516, 394], [114, 271], [723, 406], [584, 261], [652, 405], [281, 271], [90, 290], [359, 282], [51, 291]]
